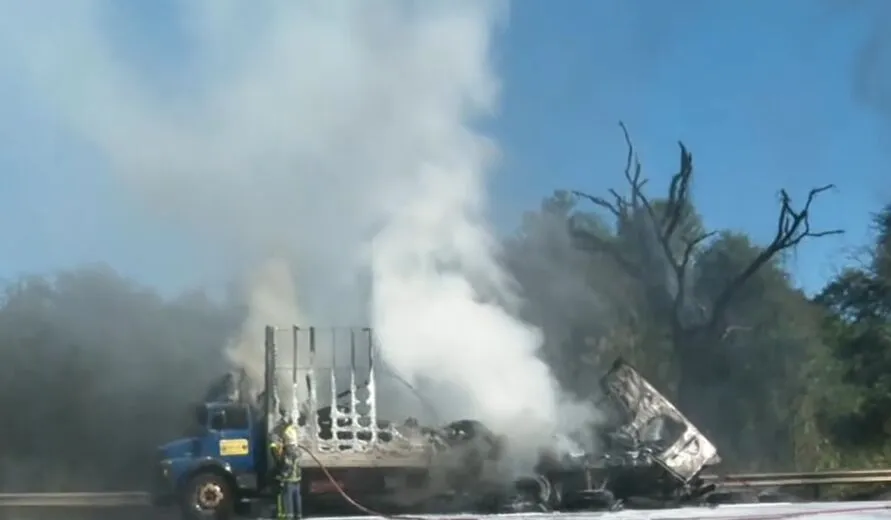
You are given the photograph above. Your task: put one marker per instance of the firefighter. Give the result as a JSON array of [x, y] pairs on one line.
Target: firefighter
[[286, 453]]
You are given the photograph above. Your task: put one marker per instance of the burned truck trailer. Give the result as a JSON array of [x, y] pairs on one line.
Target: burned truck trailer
[[327, 379]]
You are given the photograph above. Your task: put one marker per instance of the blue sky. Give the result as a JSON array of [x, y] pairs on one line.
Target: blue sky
[[761, 92]]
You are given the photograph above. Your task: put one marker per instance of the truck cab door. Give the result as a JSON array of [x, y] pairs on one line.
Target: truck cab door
[[230, 429]]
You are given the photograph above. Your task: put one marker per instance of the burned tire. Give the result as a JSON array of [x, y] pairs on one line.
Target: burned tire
[[591, 500], [208, 496]]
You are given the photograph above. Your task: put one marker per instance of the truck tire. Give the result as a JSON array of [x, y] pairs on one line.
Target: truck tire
[[208, 496]]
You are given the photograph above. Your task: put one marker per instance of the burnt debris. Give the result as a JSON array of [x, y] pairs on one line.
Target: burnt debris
[[651, 455]]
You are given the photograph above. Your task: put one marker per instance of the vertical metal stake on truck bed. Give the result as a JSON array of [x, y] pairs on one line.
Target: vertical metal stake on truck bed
[[312, 412], [295, 395], [372, 387]]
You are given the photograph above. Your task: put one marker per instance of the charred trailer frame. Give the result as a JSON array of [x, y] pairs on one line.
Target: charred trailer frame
[[653, 456]]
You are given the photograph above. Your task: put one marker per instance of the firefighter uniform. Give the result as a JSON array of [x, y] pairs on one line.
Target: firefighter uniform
[[285, 449]]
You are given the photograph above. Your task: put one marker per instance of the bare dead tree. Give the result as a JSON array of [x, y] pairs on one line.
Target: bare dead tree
[[793, 226]]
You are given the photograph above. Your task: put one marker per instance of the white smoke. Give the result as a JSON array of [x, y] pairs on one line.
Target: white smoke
[[271, 300], [429, 262], [298, 128]]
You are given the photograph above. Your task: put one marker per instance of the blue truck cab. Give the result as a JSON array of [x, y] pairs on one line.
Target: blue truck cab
[[220, 468]]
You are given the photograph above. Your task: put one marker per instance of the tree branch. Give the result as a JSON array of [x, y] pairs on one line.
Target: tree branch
[[664, 227], [617, 207], [680, 270], [734, 328], [792, 228], [678, 192]]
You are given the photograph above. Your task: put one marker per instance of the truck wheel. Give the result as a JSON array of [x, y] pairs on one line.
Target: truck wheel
[[208, 496]]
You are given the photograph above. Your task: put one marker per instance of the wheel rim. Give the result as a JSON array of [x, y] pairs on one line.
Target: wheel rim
[[210, 496]]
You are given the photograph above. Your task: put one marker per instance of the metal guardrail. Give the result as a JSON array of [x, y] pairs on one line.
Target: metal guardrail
[[728, 482], [819, 478], [804, 475], [120, 499]]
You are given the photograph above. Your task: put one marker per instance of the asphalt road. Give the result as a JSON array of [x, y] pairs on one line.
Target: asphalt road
[[132, 506]]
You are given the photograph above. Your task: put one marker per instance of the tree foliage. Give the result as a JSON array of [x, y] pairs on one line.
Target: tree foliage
[[858, 321], [97, 371]]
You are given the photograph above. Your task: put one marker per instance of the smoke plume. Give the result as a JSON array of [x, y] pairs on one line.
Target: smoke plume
[[331, 138], [271, 300]]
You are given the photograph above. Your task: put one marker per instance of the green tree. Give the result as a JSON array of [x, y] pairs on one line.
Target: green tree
[[858, 324]]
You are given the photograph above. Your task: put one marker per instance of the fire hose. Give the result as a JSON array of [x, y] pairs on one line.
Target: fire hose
[[353, 502], [546, 489]]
